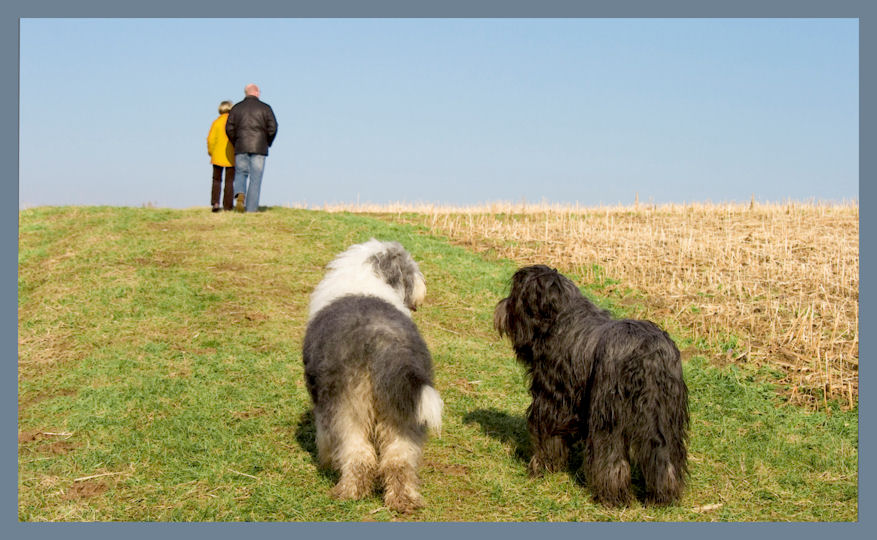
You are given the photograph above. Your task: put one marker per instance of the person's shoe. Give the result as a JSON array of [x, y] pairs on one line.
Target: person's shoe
[[216, 208], [239, 203]]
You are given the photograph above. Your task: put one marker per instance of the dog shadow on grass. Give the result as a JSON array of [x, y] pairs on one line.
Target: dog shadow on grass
[[306, 437], [508, 429], [512, 430]]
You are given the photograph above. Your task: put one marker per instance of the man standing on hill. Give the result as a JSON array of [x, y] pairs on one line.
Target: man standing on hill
[[251, 127]]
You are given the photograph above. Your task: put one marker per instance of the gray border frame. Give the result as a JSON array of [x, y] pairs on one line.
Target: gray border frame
[[864, 10]]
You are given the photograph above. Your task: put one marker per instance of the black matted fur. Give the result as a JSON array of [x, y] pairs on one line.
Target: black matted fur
[[615, 384]]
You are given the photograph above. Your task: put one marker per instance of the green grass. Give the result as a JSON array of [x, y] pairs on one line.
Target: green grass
[[161, 350]]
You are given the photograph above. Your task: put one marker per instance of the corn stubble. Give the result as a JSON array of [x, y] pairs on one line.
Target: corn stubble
[[773, 284]]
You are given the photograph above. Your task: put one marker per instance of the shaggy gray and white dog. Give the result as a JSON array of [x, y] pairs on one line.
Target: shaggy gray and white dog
[[369, 373], [615, 384]]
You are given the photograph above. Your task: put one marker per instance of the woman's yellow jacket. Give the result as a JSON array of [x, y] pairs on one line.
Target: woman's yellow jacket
[[221, 151]]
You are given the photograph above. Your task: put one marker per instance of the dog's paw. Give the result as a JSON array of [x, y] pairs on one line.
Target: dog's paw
[[351, 488], [536, 468], [614, 499], [400, 488], [540, 465], [403, 502]]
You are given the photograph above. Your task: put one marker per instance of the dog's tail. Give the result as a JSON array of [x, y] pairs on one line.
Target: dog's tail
[[403, 389], [429, 409]]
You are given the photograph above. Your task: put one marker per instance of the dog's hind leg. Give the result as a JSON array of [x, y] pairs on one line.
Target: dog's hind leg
[[607, 464], [400, 449], [354, 454], [659, 449], [607, 467], [664, 480], [325, 442], [659, 423]]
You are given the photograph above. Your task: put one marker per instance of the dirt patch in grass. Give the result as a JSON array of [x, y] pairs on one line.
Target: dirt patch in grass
[[30, 436], [34, 399], [447, 469], [37, 441], [251, 413], [85, 490], [59, 448]]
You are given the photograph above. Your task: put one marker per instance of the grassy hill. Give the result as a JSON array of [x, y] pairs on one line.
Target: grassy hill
[[160, 378]]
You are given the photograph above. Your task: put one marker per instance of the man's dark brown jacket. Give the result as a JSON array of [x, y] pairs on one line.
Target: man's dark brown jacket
[[251, 126]]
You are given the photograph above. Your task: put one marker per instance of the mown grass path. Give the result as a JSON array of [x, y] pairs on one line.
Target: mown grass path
[[160, 378]]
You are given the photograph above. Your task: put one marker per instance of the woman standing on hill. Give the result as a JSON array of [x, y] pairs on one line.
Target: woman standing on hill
[[221, 154]]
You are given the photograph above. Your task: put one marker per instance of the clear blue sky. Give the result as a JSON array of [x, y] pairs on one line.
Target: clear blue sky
[[456, 111]]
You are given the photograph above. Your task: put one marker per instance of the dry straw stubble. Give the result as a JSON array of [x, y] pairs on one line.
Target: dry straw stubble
[[773, 284]]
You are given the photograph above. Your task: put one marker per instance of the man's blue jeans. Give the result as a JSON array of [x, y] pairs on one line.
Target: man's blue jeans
[[249, 166]]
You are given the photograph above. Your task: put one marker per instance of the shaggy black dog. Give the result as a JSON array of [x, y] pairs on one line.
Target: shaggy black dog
[[615, 384]]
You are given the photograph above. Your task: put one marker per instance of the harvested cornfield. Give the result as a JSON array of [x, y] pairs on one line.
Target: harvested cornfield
[[754, 283]]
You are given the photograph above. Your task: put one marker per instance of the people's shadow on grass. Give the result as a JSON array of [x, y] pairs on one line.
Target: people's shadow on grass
[[306, 437]]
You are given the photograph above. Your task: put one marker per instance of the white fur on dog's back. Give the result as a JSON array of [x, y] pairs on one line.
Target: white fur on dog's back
[[429, 410], [352, 273]]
